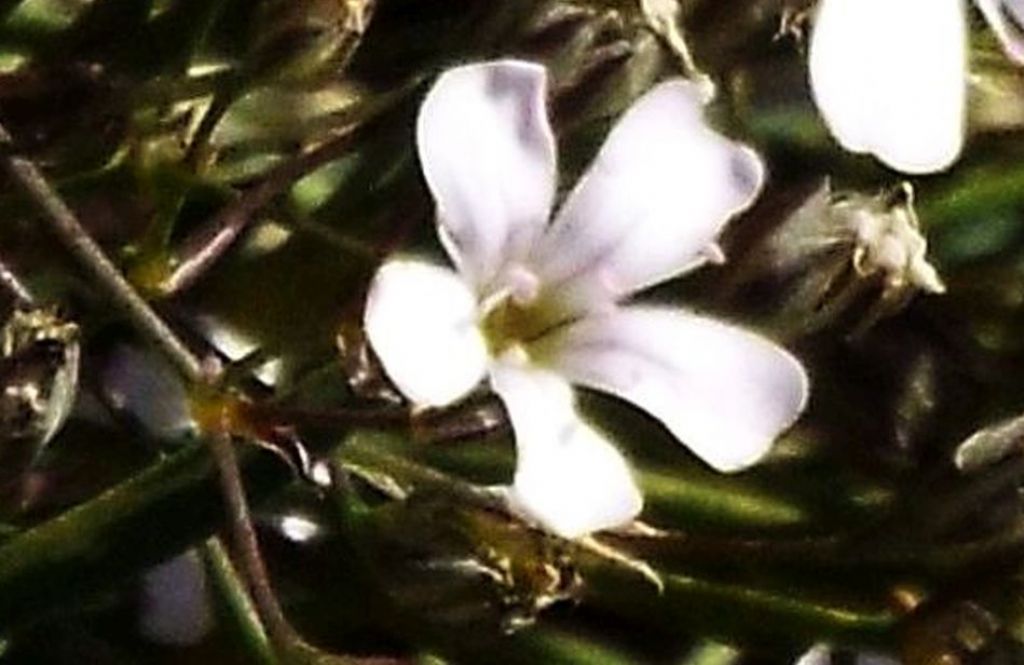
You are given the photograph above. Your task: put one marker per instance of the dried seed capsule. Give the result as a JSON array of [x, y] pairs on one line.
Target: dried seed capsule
[[39, 359]]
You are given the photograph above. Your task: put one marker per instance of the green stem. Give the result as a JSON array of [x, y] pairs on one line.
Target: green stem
[[231, 589], [757, 613], [726, 610], [712, 653], [205, 246], [92, 259], [110, 280], [980, 189], [166, 507]]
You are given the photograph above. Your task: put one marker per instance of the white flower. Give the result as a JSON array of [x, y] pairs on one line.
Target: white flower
[[822, 654], [533, 305], [890, 76]]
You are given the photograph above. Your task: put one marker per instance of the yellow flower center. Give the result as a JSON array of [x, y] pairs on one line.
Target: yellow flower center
[[517, 314]]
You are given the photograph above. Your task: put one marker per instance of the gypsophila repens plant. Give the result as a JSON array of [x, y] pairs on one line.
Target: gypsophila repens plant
[[547, 331]]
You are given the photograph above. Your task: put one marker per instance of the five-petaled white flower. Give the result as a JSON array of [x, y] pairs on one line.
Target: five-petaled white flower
[[890, 76], [534, 306]]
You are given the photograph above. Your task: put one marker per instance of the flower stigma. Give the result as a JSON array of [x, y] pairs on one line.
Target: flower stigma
[[516, 314]]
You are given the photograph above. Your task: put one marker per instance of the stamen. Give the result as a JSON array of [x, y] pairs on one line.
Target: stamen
[[523, 286], [511, 315]]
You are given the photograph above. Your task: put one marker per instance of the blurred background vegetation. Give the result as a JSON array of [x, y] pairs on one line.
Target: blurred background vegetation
[[247, 164]]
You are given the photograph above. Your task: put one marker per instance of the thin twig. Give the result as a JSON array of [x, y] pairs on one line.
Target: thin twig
[[246, 544], [222, 101], [235, 594], [663, 17], [63, 221], [207, 244], [287, 640], [376, 417], [15, 286], [92, 258]]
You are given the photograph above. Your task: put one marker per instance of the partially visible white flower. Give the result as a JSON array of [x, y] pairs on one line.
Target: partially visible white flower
[[298, 528], [175, 605], [1006, 17], [533, 305], [237, 345], [144, 386], [821, 654], [890, 76], [990, 445]]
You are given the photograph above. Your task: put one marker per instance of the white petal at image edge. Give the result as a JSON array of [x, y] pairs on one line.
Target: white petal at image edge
[[652, 203], [421, 321], [175, 608], [821, 654], [1007, 20], [722, 391], [569, 479], [890, 78], [488, 155]]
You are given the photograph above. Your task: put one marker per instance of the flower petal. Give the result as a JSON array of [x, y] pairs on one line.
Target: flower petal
[[1007, 20], [488, 156], [653, 202], [175, 608], [421, 321], [569, 479], [819, 654], [890, 78], [724, 392], [141, 385]]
